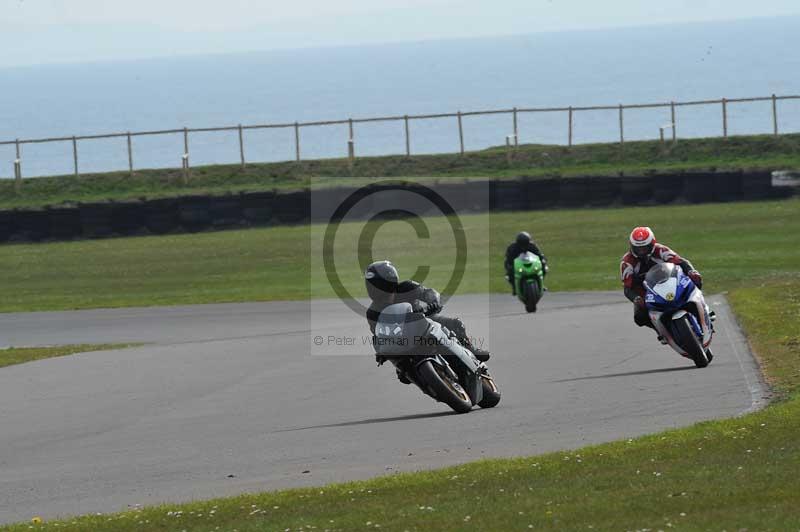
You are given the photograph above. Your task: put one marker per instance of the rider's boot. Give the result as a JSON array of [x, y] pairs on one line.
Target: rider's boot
[[481, 354], [663, 340], [513, 285], [402, 376]]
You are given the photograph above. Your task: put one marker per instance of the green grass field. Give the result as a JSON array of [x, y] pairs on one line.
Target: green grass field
[[20, 355], [737, 474], [745, 152], [731, 243]]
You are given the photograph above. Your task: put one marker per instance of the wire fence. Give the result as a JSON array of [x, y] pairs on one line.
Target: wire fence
[[668, 131]]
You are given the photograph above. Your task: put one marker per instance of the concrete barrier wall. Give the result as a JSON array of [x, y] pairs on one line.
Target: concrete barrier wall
[[202, 213]]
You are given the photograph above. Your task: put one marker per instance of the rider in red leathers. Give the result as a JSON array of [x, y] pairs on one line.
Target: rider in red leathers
[[644, 253]]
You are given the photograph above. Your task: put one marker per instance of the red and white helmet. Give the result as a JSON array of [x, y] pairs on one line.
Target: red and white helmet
[[643, 241]]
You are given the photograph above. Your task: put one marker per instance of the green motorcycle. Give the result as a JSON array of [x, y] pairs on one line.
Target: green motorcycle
[[529, 279]]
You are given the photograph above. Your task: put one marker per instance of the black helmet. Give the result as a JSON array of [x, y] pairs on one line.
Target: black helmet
[[381, 279], [523, 238]]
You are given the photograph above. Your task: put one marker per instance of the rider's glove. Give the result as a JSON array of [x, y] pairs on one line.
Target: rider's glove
[[696, 278], [639, 302], [433, 308]]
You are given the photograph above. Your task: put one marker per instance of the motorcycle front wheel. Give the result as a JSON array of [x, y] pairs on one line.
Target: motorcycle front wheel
[[686, 338], [443, 388], [491, 393], [532, 296]]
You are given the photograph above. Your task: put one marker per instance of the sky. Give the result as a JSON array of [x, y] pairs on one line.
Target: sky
[[56, 31]]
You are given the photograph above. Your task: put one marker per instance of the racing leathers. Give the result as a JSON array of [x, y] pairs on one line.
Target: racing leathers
[[427, 301]]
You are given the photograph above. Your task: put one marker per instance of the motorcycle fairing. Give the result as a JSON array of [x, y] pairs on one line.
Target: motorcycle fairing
[[670, 295], [400, 331]]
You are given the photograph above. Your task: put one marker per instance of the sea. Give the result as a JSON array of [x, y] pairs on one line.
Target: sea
[[697, 61]]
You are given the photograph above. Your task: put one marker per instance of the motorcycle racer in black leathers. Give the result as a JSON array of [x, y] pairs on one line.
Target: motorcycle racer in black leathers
[[523, 242], [385, 288]]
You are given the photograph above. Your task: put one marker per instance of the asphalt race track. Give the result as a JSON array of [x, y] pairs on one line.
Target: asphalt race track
[[227, 399]]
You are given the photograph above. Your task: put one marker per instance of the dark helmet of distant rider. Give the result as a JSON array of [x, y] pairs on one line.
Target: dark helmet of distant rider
[[523, 239], [643, 243], [381, 279]]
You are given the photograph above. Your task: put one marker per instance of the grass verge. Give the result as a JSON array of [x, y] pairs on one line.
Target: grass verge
[[732, 244], [737, 474], [745, 152], [21, 355]]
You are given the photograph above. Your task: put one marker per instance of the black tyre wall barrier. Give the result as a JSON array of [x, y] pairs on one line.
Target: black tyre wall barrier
[[757, 185], [226, 211], [573, 192], [636, 190], [728, 186], [293, 207], [457, 197], [699, 187], [477, 196], [508, 195], [32, 225], [542, 193], [603, 190], [258, 207], [7, 225], [667, 188], [65, 224], [194, 212], [161, 215], [96, 219], [128, 218]]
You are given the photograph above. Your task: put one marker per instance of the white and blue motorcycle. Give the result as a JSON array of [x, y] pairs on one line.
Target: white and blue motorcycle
[[679, 312]]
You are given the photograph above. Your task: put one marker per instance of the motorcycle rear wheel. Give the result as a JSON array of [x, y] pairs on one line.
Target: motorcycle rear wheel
[[443, 388], [686, 338]]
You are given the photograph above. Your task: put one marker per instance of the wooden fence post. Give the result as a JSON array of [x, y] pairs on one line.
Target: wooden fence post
[[460, 133], [241, 145], [775, 115], [297, 141], [674, 122], [570, 126], [621, 133], [185, 158], [19, 157], [351, 145], [516, 129], [408, 137], [75, 154], [17, 170], [725, 118], [130, 154]]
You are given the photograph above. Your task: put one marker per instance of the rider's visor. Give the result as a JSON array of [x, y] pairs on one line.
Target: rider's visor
[[642, 252]]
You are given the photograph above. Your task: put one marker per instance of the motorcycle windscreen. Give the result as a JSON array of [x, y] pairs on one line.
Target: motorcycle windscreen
[[399, 329], [662, 287], [660, 273], [527, 262]]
